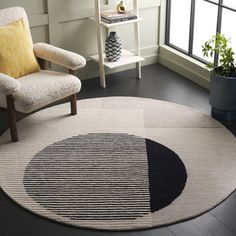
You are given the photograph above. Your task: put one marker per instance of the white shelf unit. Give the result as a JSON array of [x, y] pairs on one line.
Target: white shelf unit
[[127, 57]]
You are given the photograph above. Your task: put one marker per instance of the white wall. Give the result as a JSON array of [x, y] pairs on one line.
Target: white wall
[[65, 23]]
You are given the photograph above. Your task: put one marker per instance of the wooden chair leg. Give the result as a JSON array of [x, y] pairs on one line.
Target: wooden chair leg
[[73, 99], [12, 118], [73, 104]]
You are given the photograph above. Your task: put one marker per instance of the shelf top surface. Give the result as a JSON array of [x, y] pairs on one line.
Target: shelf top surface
[[108, 25], [126, 58]]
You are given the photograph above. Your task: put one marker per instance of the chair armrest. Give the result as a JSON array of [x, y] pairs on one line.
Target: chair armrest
[[8, 85], [59, 56]]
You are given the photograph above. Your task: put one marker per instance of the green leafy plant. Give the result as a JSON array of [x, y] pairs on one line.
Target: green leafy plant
[[219, 44]]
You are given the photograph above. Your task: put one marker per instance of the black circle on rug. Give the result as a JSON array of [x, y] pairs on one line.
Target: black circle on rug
[[105, 176]]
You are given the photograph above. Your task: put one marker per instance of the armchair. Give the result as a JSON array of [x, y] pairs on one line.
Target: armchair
[[39, 89]]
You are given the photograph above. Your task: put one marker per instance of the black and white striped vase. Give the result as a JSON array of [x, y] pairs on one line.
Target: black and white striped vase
[[113, 47]]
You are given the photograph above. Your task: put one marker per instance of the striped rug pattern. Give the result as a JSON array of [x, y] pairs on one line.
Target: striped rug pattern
[[94, 177]]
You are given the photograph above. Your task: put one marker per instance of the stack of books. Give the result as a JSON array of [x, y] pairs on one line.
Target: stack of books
[[114, 17]]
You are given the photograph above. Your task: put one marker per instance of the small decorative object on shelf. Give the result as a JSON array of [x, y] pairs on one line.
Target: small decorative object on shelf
[[113, 47], [114, 17], [121, 8]]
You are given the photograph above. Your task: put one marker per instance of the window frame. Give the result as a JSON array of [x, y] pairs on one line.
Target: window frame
[[220, 5]]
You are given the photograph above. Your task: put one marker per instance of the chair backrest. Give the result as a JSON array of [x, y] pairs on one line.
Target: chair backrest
[[9, 15]]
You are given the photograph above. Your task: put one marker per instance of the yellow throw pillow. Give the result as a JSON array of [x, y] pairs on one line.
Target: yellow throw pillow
[[16, 50]]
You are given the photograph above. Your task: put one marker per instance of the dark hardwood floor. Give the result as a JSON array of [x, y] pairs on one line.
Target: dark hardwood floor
[[158, 83]]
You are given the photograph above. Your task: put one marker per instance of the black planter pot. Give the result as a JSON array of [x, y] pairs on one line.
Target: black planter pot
[[223, 97]]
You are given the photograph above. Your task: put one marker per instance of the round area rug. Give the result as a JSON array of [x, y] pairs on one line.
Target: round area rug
[[122, 163]]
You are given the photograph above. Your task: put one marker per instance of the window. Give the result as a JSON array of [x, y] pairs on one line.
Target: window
[[190, 23], [179, 36]]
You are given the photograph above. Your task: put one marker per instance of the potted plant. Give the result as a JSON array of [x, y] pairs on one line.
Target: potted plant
[[223, 77]]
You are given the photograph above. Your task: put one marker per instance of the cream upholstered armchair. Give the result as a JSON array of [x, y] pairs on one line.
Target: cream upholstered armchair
[[36, 90]]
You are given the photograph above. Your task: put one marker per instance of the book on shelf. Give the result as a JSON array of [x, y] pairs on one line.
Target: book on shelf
[[118, 20], [114, 16]]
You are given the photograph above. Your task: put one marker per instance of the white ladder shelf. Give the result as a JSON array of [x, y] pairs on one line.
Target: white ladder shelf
[[126, 56]]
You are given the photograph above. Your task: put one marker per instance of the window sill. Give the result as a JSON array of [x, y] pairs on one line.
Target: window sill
[[184, 65]]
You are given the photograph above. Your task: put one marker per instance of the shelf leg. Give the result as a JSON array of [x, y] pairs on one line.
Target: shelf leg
[[138, 70], [102, 76], [137, 40], [100, 44]]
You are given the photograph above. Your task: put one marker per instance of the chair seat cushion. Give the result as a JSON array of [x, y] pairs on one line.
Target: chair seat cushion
[[42, 88]]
